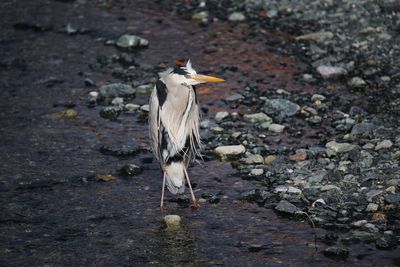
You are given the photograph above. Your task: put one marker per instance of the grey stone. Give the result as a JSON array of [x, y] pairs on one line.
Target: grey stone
[[356, 82], [372, 207], [286, 207], [145, 88], [276, 128], [256, 172], [257, 118], [282, 107], [316, 36], [384, 144], [336, 252], [131, 41], [363, 129], [331, 72], [131, 170], [221, 115], [236, 16], [253, 159], [111, 112], [117, 89], [334, 148], [227, 151], [329, 187]]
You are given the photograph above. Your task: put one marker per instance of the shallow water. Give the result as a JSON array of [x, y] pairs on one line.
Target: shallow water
[[54, 212]]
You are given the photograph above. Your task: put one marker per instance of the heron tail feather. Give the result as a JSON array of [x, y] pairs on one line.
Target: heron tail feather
[[175, 178]]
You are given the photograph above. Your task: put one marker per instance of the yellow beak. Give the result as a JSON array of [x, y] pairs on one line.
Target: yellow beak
[[204, 78]]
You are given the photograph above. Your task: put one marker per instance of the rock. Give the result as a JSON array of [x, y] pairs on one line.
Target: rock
[[228, 151], [360, 236], [372, 207], [331, 72], [281, 107], [132, 107], [317, 178], [286, 207], [276, 128], [212, 198], [384, 144], [253, 159], [144, 88], [201, 16], [373, 193], [269, 159], [393, 198], [111, 112], [336, 252], [131, 170], [257, 118], [145, 108], [317, 97], [117, 89], [301, 154], [118, 101], [236, 16], [330, 187], [256, 195], [128, 41], [363, 129], [359, 223], [294, 190], [386, 242], [356, 83], [234, 98], [334, 148], [221, 116], [92, 98], [120, 150], [105, 178], [281, 189], [69, 114], [391, 189], [172, 222], [256, 172], [316, 36]]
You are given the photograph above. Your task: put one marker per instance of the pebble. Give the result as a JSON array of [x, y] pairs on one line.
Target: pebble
[[384, 144], [221, 115], [331, 72], [257, 118], [334, 148], [286, 207], [336, 252], [117, 89], [276, 128], [69, 114], [316, 36], [131, 41], [253, 159], [144, 88], [236, 16], [356, 82], [256, 172], [329, 187], [301, 154], [359, 223], [269, 159], [131, 170], [283, 107], [232, 150], [317, 97], [173, 222], [132, 107], [372, 207], [145, 108], [117, 101]]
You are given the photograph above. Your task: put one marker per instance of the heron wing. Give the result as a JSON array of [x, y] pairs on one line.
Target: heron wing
[[155, 124]]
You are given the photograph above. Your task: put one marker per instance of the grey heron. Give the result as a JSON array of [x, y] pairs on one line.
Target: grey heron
[[174, 125]]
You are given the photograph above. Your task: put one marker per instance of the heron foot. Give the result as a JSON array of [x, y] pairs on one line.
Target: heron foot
[[195, 205]]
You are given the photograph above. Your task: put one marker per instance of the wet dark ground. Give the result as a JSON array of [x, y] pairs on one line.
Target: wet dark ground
[[55, 213]]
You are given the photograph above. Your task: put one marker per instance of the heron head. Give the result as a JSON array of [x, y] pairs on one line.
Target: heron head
[[187, 75]]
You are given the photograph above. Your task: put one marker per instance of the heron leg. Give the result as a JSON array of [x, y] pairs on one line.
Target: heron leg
[[194, 204], [163, 187]]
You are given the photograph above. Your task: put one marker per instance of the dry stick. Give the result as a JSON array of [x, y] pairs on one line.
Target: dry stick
[[313, 225]]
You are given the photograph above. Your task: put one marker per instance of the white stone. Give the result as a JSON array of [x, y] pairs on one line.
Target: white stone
[[329, 187], [145, 108], [132, 107], [276, 128], [337, 148], [221, 115], [172, 222], [328, 72], [384, 144], [236, 16], [225, 151], [372, 207], [257, 117], [257, 172]]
